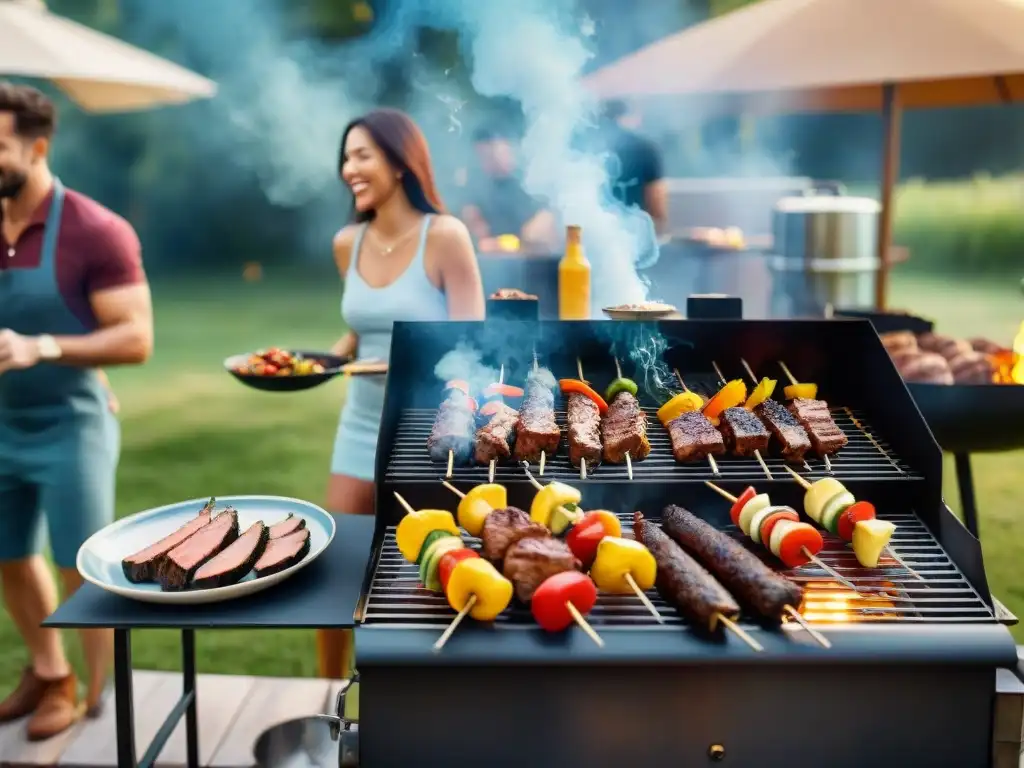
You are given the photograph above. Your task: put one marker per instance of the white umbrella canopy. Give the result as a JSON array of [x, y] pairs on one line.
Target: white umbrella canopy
[[98, 72], [831, 55]]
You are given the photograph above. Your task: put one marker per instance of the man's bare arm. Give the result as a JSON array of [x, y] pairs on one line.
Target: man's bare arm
[[656, 204], [125, 334]]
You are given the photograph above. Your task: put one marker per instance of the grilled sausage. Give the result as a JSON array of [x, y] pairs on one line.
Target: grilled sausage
[[756, 585], [682, 582]]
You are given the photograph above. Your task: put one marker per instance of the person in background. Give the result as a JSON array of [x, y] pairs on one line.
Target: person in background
[[498, 204], [73, 297], [402, 259], [635, 167]]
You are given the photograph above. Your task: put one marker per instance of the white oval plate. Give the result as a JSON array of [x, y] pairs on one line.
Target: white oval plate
[[99, 558]]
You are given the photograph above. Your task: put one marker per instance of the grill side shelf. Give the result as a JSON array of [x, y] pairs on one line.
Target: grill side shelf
[[888, 595]]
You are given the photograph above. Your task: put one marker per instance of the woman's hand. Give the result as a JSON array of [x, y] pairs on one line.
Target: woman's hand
[[346, 346]]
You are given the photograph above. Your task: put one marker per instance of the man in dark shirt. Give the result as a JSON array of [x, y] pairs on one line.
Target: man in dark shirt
[[498, 204], [73, 297], [634, 164]]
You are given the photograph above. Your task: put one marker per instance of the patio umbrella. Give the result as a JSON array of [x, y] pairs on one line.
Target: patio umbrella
[[98, 72], [830, 55]]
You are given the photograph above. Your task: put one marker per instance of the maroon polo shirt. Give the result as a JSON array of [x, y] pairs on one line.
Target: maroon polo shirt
[[97, 250]]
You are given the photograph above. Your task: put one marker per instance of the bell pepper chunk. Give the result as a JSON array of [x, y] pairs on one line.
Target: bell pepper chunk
[[551, 600], [414, 528], [684, 402], [478, 503], [762, 392], [608, 520], [459, 384], [575, 386], [549, 498], [475, 577], [741, 501], [448, 562], [799, 390], [618, 386], [858, 512], [502, 390], [617, 558], [583, 541], [729, 396], [870, 538]]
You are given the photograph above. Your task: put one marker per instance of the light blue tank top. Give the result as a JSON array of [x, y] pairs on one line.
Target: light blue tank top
[[371, 313]]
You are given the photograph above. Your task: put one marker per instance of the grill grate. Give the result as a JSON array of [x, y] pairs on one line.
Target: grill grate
[[886, 594], [866, 456]]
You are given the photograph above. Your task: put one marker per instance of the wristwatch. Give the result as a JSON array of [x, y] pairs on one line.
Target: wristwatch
[[49, 349]]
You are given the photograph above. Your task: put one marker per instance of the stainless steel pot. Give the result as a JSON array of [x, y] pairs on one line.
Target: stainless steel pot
[[825, 249], [322, 741]]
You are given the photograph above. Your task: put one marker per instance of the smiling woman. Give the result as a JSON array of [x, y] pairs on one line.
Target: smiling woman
[[402, 259]]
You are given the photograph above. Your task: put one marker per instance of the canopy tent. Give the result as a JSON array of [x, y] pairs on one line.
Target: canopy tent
[[98, 72], [831, 55]]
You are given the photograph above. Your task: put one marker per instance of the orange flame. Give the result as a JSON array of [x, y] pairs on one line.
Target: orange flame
[[1017, 373]]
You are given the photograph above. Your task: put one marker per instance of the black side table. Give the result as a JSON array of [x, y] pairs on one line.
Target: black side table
[[321, 596]]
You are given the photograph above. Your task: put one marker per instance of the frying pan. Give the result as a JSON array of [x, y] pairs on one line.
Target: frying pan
[[964, 418]]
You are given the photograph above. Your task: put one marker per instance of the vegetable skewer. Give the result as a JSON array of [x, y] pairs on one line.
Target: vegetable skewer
[[840, 513], [791, 560], [565, 598]]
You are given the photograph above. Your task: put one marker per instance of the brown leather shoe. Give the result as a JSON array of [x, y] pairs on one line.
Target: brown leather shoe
[[24, 699], [58, 710]]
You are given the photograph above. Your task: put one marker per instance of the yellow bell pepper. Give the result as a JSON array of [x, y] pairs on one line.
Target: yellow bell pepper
[[807, 391], [617, 558], [729, 396], [762, 392], [477, 577], [549, 498], [682, 403], [476, 505], [416, 526]]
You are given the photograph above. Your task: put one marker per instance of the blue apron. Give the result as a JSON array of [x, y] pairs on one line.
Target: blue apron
[[59, 443]]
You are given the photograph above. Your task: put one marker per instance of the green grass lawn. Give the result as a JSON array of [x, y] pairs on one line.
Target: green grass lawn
[[190, 430]]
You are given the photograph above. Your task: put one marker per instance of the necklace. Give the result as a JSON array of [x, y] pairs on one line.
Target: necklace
[[387, 250]]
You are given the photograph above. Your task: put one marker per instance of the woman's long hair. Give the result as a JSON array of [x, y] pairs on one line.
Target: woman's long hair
[[406, 149]]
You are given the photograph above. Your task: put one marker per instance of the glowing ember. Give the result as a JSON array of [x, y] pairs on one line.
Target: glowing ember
[[1017, 373], [828, 601]]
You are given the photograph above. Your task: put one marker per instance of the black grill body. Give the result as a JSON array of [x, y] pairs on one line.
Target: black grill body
[[904, 666]]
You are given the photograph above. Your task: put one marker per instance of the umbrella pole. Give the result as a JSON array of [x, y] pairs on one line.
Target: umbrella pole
[[891, 124]]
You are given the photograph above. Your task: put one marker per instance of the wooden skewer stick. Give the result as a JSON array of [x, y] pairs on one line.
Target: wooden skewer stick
[[903, 564], [644, 599], [749, 370], [789, 373], [451, 463], [533, 480], [618, 368], [455, 623], [764, 466], [718, 372], [583, 468], [543, 456], [741, 633], [583, 461], [405, 504], [806, 552], [453, 489], [584, 624], [711, 459], [579, 370], [536, 365], [819, 638], [828, 464], [490, 470], [629, 466]]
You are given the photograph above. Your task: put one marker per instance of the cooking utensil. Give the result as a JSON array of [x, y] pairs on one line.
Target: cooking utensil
[[332, 365]]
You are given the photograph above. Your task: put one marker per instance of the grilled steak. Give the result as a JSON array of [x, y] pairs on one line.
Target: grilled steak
[[537, 431], [531, 560], [182, 562], [143, 566], [694, 438], [682, 581], [289, 525], [792, 438], [494, 440], [743, 432], [283, 553], [624, 430], [503, 528], [453, 430], [826, 437], [584, 433], [753, 583], [234, 563]]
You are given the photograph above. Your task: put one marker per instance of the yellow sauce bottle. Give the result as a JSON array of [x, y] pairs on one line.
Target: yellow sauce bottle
[[573, 279]]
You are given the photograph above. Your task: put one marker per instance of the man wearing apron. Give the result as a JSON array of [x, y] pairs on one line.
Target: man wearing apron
[[73, 297]]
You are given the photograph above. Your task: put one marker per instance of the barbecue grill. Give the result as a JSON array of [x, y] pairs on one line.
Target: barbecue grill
[[916, 661]]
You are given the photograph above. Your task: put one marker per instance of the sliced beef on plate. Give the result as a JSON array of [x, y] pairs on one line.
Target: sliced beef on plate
[[143, 566], [236, 561], [283, 553], [182, 562]]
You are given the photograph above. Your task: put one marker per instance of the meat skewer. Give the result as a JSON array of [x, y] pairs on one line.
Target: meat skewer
[[452, 435], [624, 426], [684, 583], [768, 593], [583, 419], [743, 432], [496, 437], [787, 431], [812, 556], [825, 435], [692, 435], [537, 432]]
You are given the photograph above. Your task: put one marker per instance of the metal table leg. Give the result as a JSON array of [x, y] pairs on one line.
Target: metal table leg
[[965, 480], [125, 712]]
